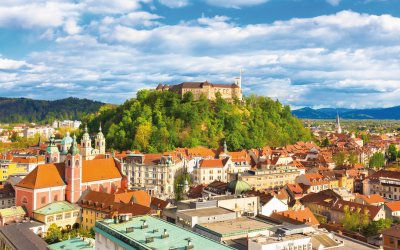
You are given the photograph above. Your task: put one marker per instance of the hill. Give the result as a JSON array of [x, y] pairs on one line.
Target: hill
[[160, 121], [392, 113], [13, 110]]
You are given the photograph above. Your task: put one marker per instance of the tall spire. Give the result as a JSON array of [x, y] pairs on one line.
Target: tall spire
[[73, 150], [225, 148], [100, 127], [338, 127]]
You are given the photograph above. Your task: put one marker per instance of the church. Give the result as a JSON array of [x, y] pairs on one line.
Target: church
[[207, 89], [68, 173]]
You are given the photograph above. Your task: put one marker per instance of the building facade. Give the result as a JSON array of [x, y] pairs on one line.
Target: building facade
[[206, 89], [66, 180], [153, 172]]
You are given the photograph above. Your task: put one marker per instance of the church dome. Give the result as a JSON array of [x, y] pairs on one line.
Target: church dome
[[66, 140], [238, 186]]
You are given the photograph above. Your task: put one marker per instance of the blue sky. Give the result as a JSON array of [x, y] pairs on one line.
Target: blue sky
[[317, 53]]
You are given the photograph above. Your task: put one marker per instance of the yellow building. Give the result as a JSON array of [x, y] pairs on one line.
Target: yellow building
[[8, 168], [61, 213], [269, 179], [346, 182]]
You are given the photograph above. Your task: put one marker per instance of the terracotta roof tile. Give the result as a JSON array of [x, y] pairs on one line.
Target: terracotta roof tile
[[46, 175], [394, 205], [300, 216]]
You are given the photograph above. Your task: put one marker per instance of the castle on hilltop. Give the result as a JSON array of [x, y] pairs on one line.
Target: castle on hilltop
[[227, 91]]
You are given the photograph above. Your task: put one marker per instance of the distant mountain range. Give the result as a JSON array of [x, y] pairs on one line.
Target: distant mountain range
[[392, 113], [15, 110]]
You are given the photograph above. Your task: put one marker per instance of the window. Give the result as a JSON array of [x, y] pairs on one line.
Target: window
[[391, 240], [67, 215], [55, 198], [43, 200], [76, 214], [59, 217], [24, 200], [50, 219]]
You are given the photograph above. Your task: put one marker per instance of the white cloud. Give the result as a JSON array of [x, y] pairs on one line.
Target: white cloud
[[237, 4], [50, 14], [71, 27], [174, 3], [11, 64], [348, 58]]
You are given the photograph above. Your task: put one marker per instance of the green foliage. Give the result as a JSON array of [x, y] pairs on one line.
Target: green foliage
[[376, 227], [359, 221], [179, 182], [355, 220], [325, 142], [17, 110], [366, 138], [339, 158], [377, 160], [352, 158], [392, 153], [53, 234], [160, 121]]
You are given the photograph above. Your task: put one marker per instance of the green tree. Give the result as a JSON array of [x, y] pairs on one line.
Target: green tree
[[352, 158], [392, 153], [325, 142], [339, 158], [376, 227], [179, 184], [377, 160], [53, 234]]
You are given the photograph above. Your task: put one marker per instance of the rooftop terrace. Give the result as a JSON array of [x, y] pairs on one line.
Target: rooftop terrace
[[237, 226], [147, 232]]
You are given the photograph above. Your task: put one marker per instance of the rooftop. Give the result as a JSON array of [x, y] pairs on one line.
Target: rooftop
[[206, 211], [21, 237], [57, 207], [73, 244], [242, 225], [131, 235], [12, 211]]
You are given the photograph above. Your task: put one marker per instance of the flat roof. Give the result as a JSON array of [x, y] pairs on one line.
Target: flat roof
[[205, 211], [242, 225], [72, 244], [178, 236]]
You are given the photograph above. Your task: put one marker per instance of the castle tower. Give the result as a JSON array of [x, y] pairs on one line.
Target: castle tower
[[52, 152], [73, 173], [338, 127], [86, 146], [100, 142]]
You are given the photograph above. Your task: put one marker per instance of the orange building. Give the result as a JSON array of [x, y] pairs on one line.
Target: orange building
[[59, 181]]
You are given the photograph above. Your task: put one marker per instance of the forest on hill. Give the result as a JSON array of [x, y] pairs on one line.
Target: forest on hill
[[18, 110], [160, 121]]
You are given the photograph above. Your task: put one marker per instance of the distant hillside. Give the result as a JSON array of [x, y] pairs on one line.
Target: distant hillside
[[158, 121], [14, 110], [392, 113]]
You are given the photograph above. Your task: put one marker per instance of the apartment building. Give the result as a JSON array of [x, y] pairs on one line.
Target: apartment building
[[153, 172], [273, 178]]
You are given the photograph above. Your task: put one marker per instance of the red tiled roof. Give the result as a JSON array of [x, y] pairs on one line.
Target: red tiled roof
[[394, 205], [51, 175], [212, 163], [301, 216]]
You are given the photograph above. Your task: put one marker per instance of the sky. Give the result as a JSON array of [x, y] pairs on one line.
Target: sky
[[315, 53]]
